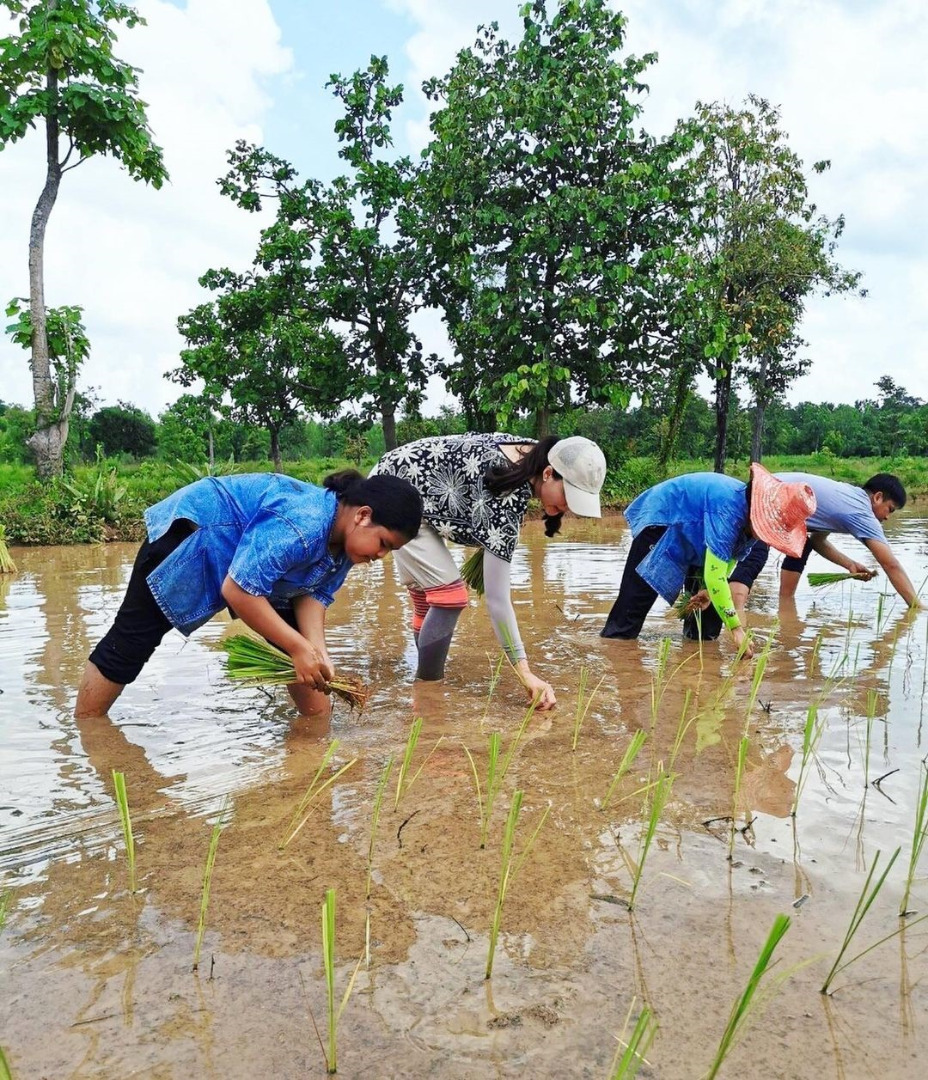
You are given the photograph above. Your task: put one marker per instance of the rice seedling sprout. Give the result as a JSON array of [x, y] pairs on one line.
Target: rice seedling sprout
[[509, 870], [485, 799], [375, 818], [628, 759], [402, 783], [659, 796], [583, 707], [633, 1052], [918, 838], [742, 1008], [864, 903], [208, 879], [811, 735], [333, 1013], [871, 716], [304, 809], [5, 1073], [739, 774], [495, 673], [122, 801]]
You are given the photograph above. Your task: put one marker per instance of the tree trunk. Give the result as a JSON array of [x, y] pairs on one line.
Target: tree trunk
[[682, 385], [542, 422], [212, 459], [51, 416], [760, 408], [275, 448], [722, 402], [388, 420]]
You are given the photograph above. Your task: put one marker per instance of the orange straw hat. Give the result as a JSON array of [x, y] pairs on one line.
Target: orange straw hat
[[779, 511]]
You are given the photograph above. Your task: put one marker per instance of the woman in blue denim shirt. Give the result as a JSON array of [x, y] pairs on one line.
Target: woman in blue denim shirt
[[272, 549]]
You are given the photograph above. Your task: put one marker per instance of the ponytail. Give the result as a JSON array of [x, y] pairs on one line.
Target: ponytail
[[502, 478], [395, 504]]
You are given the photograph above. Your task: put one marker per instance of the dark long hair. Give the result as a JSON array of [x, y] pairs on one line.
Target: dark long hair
[[499, 479], [395, 504]]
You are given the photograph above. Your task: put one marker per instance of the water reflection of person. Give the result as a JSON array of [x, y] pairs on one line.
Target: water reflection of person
[[273, 549], [476, 490]]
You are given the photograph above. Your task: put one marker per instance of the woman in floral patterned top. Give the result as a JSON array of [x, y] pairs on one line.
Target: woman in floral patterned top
[[475, 491]]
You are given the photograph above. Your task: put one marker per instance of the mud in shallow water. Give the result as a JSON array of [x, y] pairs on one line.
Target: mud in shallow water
[[98, 982]]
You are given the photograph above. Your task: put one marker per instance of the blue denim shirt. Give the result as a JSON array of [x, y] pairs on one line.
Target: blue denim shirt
[[268, 532], [702, 511]]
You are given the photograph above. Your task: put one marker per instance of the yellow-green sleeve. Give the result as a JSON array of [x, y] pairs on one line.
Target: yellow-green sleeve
[[715, 574]]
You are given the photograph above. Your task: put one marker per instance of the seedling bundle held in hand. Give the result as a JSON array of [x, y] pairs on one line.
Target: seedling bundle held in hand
[[255, 662]]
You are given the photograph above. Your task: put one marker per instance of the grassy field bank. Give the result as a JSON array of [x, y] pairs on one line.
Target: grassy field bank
[[105, 501]]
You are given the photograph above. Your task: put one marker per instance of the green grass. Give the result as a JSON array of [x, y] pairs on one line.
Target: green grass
[[122, 801]]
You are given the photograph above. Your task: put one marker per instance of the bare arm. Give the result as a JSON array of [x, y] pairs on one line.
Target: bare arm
[[827, 550], [892, 568], [311, 666]]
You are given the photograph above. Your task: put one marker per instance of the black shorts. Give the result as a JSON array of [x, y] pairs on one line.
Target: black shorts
[[140, 624]]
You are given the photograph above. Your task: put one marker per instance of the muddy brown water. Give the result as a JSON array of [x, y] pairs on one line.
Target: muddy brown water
[[97, 982]]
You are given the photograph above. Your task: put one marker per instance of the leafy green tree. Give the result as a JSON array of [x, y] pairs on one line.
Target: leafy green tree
[[343, 248], [895, 403], [548, 221], [760, 248], [59, 71], [16, 425], [186, 430], [66, 347], [261, 357], [123, 429]]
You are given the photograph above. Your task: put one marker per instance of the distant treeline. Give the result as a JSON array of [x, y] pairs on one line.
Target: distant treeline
[[892, 424]]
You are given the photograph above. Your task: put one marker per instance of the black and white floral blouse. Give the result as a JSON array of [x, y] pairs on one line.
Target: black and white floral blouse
[[448, 471]]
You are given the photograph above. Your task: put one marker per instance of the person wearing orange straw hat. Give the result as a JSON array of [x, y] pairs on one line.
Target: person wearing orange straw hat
[[695, 528]]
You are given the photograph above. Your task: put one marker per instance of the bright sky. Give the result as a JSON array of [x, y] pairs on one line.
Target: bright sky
[[849, 76]]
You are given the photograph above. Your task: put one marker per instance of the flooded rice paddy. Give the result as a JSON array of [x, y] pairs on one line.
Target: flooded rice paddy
[[98, 982]]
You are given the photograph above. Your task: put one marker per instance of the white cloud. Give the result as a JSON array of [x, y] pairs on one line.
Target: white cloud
[[128, 254]]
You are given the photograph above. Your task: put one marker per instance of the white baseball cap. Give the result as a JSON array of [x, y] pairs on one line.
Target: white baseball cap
[[582, 465]]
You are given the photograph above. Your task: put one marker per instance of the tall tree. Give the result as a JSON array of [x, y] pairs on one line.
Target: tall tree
[[344, 246], [548, 219], [759, 245], [59, 72], [261, 357]]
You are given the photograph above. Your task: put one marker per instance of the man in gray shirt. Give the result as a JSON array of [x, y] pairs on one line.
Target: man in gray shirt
[[841, 508]]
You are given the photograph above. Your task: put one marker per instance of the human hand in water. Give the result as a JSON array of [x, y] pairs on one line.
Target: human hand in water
[[538, 691], [743, 642]]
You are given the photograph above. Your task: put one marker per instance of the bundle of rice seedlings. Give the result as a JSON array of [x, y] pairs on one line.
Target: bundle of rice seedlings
[[685, 605], [7, 566], [472, 572], [256, 662], [833, 578]]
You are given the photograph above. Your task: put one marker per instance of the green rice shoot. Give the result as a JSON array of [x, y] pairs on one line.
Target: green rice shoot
[[736, 797], [5, 898], [828, 578], [255, 662], [375, 818], [509, 870], [918, 839], [628, 759], [486, 798], [303, 811], [5, 1073], [659, 796], [633, 1051], [208, 879], [741, 1010], [583, 707], [811, 736], [472, 572], [122, 801], [402, 783], [333, 1013], [7, 565]]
